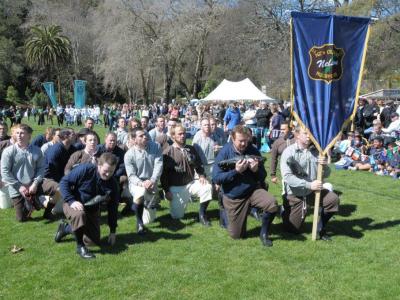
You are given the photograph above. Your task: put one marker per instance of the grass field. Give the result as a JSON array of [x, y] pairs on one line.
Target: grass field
[[183, 260]]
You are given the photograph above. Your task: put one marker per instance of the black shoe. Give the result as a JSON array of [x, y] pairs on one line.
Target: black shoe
[[265, 241], [140, 229], [203, 220], [84, 252], [47, 212], [323, 236], [61, 232]]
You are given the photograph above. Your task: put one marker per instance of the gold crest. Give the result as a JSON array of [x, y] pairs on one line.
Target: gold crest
[[326, 63]]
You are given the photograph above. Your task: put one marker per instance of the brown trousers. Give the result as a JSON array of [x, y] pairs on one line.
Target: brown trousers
[[237, 210], [21, 213], [296, 208], [49, 187], [88, 219], [19, 202]]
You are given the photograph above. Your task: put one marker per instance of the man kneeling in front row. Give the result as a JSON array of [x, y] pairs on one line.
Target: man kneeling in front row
[[244, 186], [79, 189], [299, 164]]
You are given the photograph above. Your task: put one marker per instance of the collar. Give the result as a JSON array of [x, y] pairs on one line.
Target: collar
[[94, 153], [300, 150], [237, 151], [140, 149]]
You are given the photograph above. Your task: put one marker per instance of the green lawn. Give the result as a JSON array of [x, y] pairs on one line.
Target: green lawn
[[186, 261]]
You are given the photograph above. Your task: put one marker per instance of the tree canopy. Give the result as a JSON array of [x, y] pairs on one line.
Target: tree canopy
[[130, 49]]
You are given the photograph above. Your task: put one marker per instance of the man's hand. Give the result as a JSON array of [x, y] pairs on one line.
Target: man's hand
[[316, 185], [253, 165], [23, 190], [32, 189], [111, 239], [241, 166], [148, 184], [217, 148], [203, 180], [76, 205], [168, 196], [274, 179]]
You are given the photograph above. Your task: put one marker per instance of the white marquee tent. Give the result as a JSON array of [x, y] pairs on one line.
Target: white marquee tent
[[235, 91]]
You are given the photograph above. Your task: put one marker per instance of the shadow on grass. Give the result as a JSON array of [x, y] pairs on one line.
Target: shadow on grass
[[126, 239], [277, 233], [165, 221], [190, 218], [355, 228], [338, 192], [53, 219], [346, 210]]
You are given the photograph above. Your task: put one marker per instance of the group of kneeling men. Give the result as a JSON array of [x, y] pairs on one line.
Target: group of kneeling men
[[85, 180]]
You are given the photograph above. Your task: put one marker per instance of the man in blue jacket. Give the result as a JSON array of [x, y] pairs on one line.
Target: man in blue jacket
[[232, 117], [79, 187], [244, 186]]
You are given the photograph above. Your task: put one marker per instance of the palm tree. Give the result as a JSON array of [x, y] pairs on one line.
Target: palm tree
[[47, 48]]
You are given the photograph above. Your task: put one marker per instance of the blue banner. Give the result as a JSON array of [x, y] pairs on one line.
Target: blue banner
[[328, 54], [49, 87], [79, 93]]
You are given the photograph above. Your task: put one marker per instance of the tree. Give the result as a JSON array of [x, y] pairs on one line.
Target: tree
[[12, 95], [12, 15], [47, 48]]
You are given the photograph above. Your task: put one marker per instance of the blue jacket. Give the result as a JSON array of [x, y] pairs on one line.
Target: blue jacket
[[39, 140], [236, 185], [84, 182], [232, 117], [56, 158]]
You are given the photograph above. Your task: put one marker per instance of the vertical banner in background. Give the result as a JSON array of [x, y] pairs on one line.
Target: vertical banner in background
[[49, 87], [328, 54], [79, 93]]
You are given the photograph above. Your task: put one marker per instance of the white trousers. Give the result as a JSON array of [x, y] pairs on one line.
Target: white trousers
[[181, 196], [5, 200], [140, 195]]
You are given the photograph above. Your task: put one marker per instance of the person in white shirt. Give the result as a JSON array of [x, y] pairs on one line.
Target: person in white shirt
[[394, 126]]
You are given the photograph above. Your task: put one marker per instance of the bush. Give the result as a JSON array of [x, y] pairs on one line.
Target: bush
[[12, 95], [28, 94], [210, 85], [40, 99]]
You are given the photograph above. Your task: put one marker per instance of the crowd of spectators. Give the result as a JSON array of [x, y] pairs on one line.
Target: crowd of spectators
[[374, 143]]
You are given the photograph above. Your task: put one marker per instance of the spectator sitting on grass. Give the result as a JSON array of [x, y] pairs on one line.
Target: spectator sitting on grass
[[391, 164], [394, 126], [376, 130], [375, 156]]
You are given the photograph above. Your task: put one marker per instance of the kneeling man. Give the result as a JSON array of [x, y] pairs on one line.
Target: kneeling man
[[244, 186], [299, 164], [78, 189], [143, 163], [178, 177]]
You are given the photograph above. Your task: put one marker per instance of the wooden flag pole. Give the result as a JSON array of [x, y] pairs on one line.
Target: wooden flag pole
[[317, 200]]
